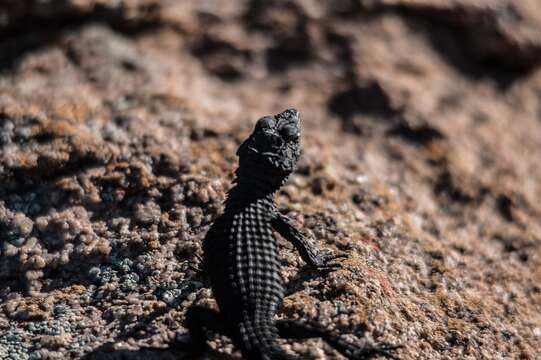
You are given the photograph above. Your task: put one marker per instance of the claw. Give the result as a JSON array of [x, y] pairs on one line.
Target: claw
[[325, 264], [336, 256]]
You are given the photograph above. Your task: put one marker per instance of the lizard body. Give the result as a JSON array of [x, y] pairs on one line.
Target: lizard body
[[241, 254]]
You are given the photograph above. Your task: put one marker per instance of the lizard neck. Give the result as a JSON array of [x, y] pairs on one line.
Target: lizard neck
[[254, 182]]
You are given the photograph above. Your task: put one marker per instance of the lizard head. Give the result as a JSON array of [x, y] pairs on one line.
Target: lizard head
[[274, 143]]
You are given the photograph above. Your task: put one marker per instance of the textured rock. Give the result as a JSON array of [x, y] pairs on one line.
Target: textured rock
[[421, 139]]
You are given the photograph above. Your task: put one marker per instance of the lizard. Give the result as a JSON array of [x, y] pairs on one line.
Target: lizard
[[241, 260]]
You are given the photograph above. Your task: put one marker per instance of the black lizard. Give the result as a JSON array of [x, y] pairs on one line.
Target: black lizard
[[241, 254]]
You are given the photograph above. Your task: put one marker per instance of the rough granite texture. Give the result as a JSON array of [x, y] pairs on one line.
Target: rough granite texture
[[119, 122]]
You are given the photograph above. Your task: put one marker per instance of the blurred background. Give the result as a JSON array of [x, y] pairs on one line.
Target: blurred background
[[119, 122]]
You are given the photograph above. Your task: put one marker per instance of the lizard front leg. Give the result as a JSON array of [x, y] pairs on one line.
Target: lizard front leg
[[283, 225]]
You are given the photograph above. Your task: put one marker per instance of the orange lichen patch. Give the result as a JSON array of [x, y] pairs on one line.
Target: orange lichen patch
[[298, 303], [76, 289], [171, 100], [29, 309], [153, 243], [75, 111], [55, 342], [438, 150], [60, 128], [380, 278], [149, 306], [364, 238], [382, 190], [34, 110], [133, 176], [23, 159]]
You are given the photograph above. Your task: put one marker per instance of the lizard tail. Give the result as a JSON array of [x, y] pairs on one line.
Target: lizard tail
[[259, 342]]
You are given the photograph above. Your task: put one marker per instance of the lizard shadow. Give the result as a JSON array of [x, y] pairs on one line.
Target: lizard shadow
[[295, 283], [107, 352]]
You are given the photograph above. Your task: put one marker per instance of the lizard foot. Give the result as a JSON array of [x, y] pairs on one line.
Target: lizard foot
[[327, 261]]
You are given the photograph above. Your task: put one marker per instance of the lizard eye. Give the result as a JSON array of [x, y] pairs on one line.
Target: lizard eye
[[289, 133], [265, 123]]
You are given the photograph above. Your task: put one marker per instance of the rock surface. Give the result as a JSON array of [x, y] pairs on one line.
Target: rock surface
[[421, 135]]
